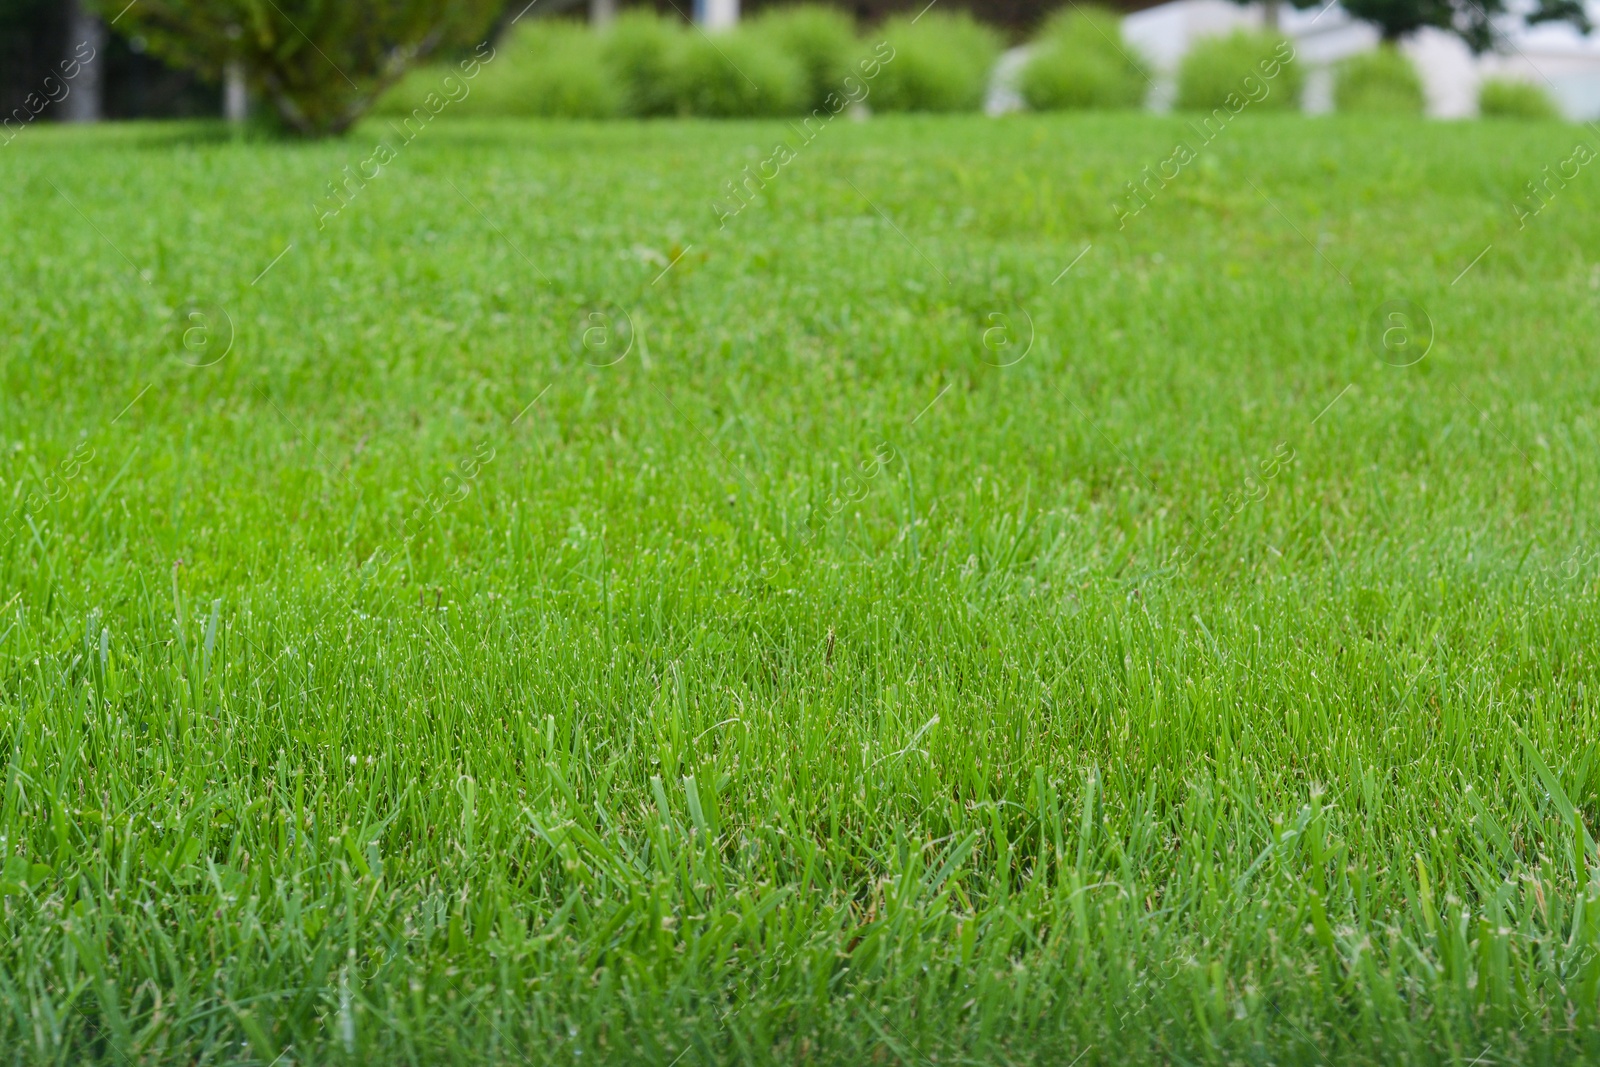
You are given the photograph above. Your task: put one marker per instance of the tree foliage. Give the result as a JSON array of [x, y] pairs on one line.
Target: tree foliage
[[1477, 22], [321, 65], [1473, 20]]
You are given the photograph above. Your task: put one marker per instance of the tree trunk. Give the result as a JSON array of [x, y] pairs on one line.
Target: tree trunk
[[84, 100], [235, 96], [1270, 13], [601, 12]]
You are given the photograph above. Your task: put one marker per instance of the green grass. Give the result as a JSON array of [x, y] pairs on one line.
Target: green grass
[[664, 741]]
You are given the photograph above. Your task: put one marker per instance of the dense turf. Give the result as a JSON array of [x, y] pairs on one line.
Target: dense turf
[[802, 685]]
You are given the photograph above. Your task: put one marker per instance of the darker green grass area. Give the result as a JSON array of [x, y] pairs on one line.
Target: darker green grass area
[[555, 627]]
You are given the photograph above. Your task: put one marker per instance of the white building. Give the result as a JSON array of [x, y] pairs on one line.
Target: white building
[[1553, 56]]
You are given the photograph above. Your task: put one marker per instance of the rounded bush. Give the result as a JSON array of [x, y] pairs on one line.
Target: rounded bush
[[1504, 98], [641, 51], [941, 63], [548, 67], [409, 92], [736, 74], [821, 39], [1258, 68], [1382, 81], [1080, 60]]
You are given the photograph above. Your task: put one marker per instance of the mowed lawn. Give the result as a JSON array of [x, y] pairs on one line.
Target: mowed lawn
[[915, 621]]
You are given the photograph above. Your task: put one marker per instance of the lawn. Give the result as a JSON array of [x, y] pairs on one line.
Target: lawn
[[916, 620]]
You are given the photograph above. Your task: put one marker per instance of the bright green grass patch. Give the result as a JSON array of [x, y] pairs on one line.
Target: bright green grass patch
[[795, 683]]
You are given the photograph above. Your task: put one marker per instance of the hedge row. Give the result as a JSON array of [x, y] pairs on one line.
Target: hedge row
[[794, 60], [787, 61]]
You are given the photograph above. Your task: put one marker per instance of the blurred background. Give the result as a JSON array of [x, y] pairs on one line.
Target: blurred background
[[36, 34], [1555, 54]]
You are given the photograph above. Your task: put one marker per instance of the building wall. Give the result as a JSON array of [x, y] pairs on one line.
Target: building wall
[[1554, 57]]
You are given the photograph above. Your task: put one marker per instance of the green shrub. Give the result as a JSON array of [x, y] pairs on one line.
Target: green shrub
[[1378, 82], [409, 92], [734, 74], [941, 63], [1503, 98], [821, 39], [1256, 68], [641, 51], [320, 65], [546, 67], [1080, 60]]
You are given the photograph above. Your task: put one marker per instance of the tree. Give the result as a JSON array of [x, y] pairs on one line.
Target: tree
[[1472, 20], [83, 103], [320, 64]]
